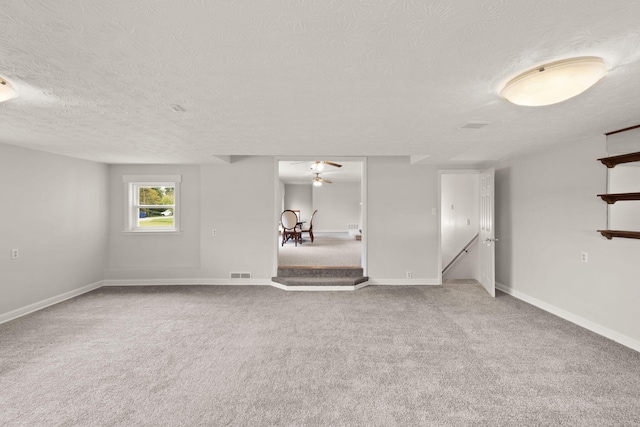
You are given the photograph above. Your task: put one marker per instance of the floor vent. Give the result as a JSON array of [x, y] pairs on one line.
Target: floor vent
[[240, 275], [353, 226]]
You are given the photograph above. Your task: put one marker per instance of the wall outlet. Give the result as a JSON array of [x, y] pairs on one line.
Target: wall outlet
[[468, 221], [434, 211], [408, 275], [15, 254], [214, 232], [584, 257]]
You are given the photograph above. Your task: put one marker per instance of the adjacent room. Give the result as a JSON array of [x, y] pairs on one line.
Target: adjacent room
[[319, 213]]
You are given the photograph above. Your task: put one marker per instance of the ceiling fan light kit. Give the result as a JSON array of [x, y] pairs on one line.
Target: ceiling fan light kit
[[317, 181], [319, 165], [6, 90], [554, 82]]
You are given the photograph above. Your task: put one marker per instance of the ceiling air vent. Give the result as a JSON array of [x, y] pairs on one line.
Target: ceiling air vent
[[474, 125], [240, 275]]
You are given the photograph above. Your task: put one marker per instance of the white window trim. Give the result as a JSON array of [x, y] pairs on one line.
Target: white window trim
[[131, 182]]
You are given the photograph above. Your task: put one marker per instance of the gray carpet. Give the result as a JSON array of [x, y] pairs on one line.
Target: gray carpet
[[327, 249], [258, 356]]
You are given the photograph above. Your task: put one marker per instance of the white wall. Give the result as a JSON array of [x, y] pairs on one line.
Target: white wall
[[299, 197], [338, 204], [467, 266], [547, 213], [154, 255], [238, 200], [459, 213], [402, 234], [54, 210]]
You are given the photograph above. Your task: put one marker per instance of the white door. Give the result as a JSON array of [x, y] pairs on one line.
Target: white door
[[487, 236]]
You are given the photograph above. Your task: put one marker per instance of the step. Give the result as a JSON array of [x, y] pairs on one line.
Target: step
[[320, 281], [300, 272]]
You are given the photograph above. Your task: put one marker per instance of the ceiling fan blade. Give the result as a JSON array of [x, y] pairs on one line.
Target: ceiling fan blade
[[333, 164], [325, 180]]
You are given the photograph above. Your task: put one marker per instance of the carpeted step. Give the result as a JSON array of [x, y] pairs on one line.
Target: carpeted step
[[320, 281], [336, 272]]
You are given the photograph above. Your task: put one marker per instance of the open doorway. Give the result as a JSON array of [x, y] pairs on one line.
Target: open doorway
[[328, 198], [467, 229], [459, 224]]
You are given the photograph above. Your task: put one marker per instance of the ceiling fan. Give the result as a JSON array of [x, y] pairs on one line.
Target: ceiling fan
[[317, 181], [319, 165]]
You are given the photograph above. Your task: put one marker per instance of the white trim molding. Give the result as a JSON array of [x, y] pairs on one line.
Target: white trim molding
[[23, 311], [573, 318], [186, 282], [405, 282]]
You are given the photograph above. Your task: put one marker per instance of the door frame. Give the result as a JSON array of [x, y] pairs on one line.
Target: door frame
[[363, 198]]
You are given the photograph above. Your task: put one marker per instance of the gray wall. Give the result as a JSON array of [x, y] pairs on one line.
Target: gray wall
[[239, 200], [402, 234], [54, 210], [338, 205], [155, 255], [547, 213], [299, 197]]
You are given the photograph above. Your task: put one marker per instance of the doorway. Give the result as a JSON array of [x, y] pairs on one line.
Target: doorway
[[467, 226], [335, 190]]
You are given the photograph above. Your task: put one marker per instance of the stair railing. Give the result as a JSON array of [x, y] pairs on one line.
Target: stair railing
[[463, 251]]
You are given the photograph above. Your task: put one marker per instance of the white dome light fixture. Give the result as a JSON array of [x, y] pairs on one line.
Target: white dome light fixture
[[554, 82], [6, 90]]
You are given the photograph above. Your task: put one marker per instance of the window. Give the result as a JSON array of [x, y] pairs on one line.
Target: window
[[152, 203]]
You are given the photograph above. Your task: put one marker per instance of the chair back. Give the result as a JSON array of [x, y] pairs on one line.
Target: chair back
[[311, 220], [289, 220]]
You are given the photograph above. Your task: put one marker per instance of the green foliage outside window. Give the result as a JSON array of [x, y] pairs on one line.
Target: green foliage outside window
[[156, 196]]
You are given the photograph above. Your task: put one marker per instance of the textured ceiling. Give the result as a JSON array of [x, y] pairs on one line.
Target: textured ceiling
[[98, 80]]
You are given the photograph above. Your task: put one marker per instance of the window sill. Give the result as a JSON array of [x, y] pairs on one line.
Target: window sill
[[155, 232]]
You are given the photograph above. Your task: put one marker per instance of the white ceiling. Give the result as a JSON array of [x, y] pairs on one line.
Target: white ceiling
[[97, 80]]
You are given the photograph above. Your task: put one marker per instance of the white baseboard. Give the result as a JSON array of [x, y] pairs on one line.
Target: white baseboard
[[404, 282], [179, 282], [14, 314], [580, 321]]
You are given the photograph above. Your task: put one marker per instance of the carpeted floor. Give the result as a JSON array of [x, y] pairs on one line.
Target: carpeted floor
[[258, 356], [327, 249]]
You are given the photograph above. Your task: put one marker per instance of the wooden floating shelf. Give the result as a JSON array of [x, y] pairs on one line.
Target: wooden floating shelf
[[624, 158], [618, 233], [612, 198]]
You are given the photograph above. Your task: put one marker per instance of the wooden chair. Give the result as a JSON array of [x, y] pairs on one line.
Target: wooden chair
[[290, 230], [310, 229]]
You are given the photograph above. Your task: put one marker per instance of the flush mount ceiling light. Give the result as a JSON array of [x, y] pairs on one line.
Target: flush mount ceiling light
[[555, 82], [6, 90]]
